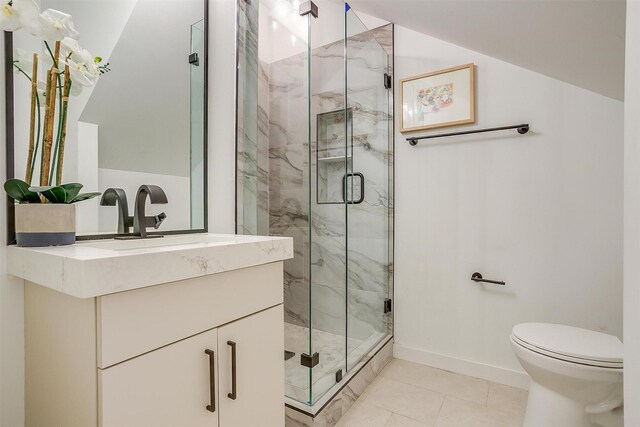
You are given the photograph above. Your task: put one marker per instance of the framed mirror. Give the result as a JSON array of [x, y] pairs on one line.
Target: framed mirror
[[144, 121]]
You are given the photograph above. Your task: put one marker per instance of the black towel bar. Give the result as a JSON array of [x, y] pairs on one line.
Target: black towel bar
[[522, 129], [477, 277]]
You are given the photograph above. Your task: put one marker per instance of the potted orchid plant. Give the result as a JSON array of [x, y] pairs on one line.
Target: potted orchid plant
[[45, 213]]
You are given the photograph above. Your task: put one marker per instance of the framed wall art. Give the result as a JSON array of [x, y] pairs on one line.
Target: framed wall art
[[438, 99]]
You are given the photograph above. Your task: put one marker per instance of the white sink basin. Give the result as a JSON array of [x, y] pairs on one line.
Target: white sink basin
[[160, 242]]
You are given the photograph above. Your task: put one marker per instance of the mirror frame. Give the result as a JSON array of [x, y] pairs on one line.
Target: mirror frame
[[10, 142]]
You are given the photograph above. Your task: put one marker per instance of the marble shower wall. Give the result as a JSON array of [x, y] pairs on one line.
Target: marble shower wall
[[274, 183], [325, 243], [288, 177], [252, 187], [367, 229]]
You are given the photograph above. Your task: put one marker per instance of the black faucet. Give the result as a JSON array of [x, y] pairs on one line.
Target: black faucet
[[140, 220], [117, 196]]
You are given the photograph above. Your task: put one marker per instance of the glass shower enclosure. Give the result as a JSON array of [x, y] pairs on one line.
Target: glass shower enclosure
[[315, 163]]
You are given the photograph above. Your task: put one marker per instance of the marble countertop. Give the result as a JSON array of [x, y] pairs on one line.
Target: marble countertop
[[100, 267]]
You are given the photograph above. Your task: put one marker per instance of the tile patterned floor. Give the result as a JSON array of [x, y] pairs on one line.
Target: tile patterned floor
[[413, 395]]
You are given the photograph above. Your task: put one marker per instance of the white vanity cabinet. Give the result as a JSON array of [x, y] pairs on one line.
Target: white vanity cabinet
[[206, 351], [173, 386]]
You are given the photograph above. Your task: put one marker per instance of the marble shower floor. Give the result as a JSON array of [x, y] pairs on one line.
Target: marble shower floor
[[412, 395], [331, 348]]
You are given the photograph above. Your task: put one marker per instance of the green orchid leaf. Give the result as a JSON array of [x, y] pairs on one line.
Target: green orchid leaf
[[20, 191], [64, 193], [72, 189], [84, 196], [55, 194], [36, 189]]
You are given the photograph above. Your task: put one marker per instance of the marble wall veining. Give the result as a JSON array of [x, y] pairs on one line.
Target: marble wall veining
[[288, 182], [341, 272], [322, 235], [362, 239], [252, 137]]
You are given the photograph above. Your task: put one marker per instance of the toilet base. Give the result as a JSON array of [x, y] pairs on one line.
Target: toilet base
[[547, 408], [613, 418]]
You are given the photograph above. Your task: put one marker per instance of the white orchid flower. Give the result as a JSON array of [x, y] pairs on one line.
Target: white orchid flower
[[28, 13], [9, 17], [70, 48], [56, 25], [82, 73], [81, 62]]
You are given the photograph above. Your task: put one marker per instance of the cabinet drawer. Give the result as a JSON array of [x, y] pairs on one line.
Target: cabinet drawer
[[165, 388], [135, 322]]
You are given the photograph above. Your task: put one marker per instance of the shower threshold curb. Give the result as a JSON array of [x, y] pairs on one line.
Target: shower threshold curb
[[336, 398]]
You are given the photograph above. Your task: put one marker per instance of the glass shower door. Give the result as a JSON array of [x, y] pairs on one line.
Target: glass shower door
[[330, 160], [368, 96]]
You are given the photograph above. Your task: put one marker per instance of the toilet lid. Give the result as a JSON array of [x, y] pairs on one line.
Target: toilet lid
[[573, 343]]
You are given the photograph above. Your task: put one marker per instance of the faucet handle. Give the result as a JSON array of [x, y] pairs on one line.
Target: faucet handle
[[158, 219], [155, 220]]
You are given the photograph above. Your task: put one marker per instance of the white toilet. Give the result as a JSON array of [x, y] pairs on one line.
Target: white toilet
[[576, 375]]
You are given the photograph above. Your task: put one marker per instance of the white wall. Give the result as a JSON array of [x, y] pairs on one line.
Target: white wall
[[222, 107], [11, 310], [88, 212], [542, 212], [632, 218]]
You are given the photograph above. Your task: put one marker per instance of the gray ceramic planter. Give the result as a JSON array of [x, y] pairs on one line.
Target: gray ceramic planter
[[45, 224]]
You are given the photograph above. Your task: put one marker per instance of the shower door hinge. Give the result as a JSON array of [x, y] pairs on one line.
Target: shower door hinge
[[388, 305], [338, 375], [309, 361], [194, 60], [387, 81], [309, 7]]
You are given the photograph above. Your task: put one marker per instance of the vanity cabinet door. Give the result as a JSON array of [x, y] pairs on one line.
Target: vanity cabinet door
[[170, 386], [258, 396]]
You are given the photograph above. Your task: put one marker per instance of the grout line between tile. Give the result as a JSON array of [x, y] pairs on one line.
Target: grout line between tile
[[439, 411], [486, 401]]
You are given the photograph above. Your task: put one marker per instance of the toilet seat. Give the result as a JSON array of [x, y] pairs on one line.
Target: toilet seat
[[574, 345]]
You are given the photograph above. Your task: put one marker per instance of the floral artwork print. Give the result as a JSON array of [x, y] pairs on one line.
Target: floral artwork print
[[435, 98], [438, 99]]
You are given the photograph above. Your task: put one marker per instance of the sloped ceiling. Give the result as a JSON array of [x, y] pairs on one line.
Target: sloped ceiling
[[580, 42]]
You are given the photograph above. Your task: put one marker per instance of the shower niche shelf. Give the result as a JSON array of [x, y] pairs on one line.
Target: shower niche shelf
[[335, 158], [334, 155]]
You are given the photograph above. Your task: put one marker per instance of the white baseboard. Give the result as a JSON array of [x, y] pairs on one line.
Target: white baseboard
[[462, 366]]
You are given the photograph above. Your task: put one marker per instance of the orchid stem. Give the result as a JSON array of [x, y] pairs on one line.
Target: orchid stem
[[59, 86], [38, 127], [22, 71], [35, 151]]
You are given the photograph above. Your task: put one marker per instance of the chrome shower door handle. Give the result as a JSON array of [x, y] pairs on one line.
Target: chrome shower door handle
[[344, 188]]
